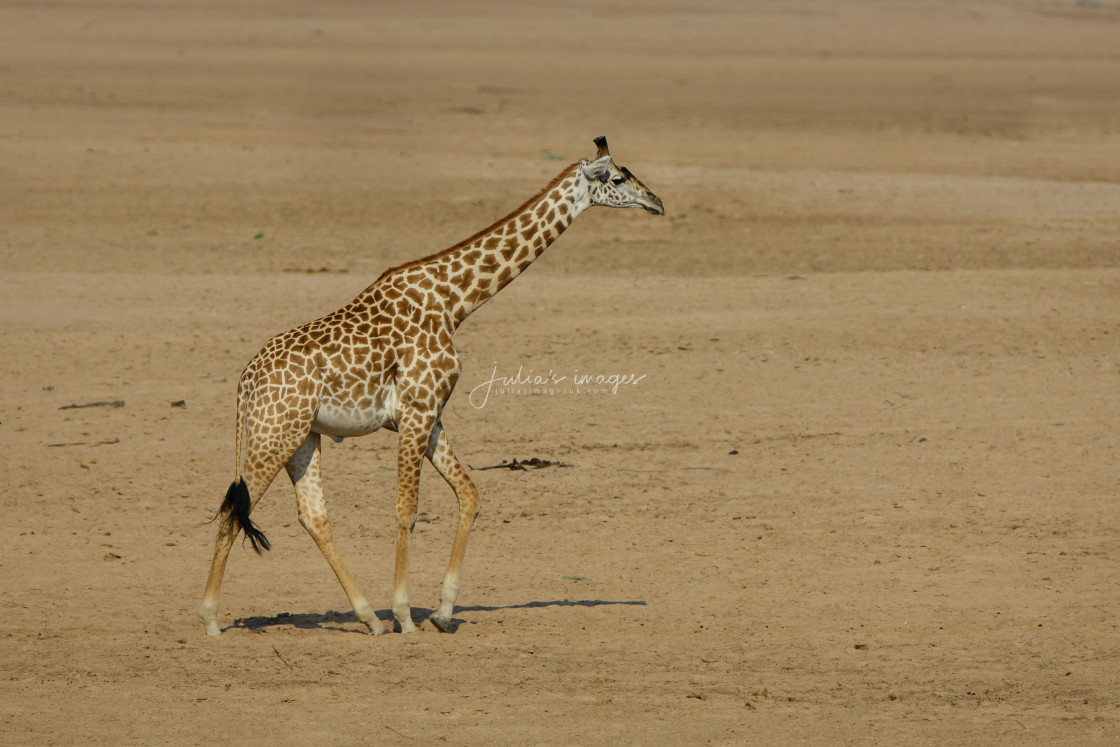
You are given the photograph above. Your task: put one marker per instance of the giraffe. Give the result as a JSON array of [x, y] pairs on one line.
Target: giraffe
[[386, 360]]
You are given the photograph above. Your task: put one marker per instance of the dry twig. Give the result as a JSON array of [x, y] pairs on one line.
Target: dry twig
[[103, 403], [526, 464]]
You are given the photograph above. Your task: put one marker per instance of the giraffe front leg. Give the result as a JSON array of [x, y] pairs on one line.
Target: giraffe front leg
[[415, 428], [442, 458], [311, 507]]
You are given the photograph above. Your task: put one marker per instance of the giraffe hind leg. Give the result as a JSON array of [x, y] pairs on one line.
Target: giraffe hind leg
[[311, 507], [241, 498], [208, 610], [234, 514]]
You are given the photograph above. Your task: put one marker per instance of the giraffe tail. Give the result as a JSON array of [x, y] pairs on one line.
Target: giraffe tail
[[237, 504], [235, 515]]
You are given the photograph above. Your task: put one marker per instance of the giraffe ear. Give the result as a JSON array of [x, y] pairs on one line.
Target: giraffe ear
[[597, 169], [601, 142]]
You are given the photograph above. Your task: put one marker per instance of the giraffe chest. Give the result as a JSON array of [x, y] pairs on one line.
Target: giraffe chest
[[349, 415]]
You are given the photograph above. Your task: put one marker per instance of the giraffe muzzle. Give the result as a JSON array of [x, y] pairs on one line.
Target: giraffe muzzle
[[654, 206]]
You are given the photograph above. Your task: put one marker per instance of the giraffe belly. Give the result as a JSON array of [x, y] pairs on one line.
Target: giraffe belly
[[357, 419]]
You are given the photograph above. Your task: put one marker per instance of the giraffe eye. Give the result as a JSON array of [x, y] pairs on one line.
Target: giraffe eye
[[617, 180]]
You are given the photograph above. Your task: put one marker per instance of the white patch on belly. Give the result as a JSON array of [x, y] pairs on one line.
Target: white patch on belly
[[347, 420]]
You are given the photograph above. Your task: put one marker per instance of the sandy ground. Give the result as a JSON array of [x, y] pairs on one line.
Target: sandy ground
[[864, 489]]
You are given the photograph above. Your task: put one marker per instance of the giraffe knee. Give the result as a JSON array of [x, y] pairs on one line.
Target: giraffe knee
[[406, 521], [406, 512], [319, 527], [469, 504]]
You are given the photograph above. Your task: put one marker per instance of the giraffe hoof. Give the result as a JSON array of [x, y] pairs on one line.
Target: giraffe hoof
[[210, 620], [378, 630], [442, 623]]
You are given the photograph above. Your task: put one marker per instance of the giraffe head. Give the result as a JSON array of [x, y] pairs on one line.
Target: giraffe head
[[614, 186]]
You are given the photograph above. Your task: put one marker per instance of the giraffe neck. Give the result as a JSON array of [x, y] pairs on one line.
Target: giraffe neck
[[476, 269]]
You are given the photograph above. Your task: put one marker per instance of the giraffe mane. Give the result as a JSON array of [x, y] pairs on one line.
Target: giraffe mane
[[474, 237]]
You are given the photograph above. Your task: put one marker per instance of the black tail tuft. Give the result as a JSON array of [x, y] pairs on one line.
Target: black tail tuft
[[235, 513]]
